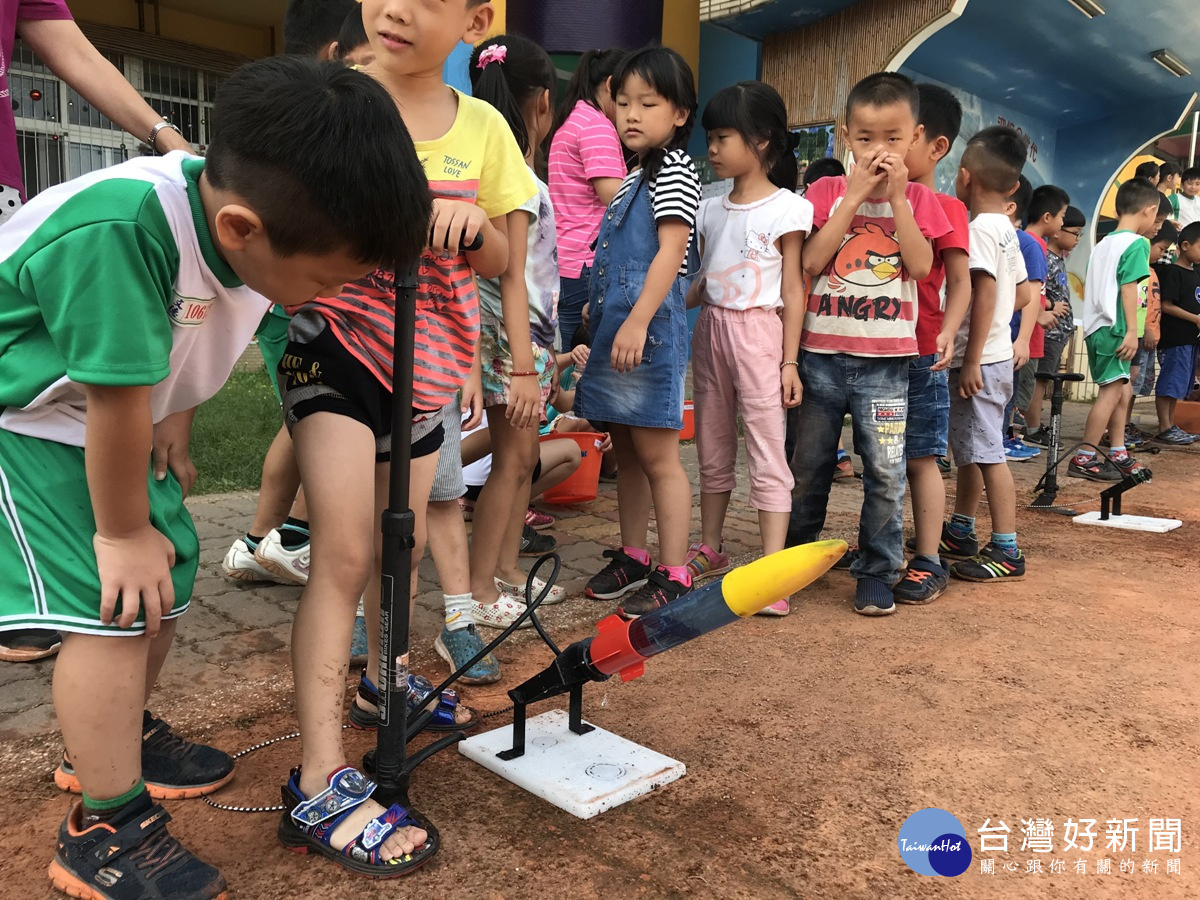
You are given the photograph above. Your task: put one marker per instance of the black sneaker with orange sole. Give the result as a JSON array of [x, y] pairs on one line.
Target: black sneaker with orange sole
[[131, 857], [173, 768]]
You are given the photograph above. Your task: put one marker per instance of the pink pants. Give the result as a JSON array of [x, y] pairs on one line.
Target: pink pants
[[735, 371]]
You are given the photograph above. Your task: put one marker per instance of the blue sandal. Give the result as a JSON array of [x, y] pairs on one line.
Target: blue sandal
[[419, 688], [308, 823]]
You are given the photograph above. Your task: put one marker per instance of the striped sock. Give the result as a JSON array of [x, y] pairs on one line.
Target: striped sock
[[1006, 542], [961, 526]]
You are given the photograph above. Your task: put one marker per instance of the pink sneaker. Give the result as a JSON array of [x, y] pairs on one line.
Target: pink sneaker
[[704, 562], [538, 521], [778, 609]]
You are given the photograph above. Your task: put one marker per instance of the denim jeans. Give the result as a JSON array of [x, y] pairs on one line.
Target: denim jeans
[[572, 298], [874, 391]]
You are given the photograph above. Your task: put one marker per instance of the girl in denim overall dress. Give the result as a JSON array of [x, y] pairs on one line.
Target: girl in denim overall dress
[[635, 373]]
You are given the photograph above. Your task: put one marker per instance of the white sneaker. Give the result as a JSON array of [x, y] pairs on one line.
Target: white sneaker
[[557, 594], [290, 565], [240, 564]]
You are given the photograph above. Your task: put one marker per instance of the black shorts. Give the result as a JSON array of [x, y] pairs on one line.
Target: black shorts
[[321, 375]]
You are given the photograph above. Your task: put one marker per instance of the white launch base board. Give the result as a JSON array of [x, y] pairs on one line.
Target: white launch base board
[[1129, 523]]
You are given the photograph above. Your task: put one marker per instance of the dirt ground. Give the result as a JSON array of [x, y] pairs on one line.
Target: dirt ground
[[808, 741]]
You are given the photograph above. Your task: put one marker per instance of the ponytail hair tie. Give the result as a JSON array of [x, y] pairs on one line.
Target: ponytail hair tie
[[496, 53]]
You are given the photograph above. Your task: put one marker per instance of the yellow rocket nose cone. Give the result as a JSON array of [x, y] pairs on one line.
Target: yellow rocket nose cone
[[757, 585]]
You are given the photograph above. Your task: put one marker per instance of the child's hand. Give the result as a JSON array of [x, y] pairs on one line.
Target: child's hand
[[945, 351], [866, 178], [970, 380], [136, 570], [1149, 342], [1047, 319], [172, 439], [579, 357], [455, 223], [524, 400], [1020, 353], [1061, 309], [1129, 346], [793, 389], [627, 346], [472, 399], [897, 175]]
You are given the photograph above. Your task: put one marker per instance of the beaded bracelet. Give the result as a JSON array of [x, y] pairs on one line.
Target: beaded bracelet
[[522, 374], [789, 362]]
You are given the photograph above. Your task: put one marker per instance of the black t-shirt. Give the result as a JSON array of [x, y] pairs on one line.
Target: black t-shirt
[[1182, 287]]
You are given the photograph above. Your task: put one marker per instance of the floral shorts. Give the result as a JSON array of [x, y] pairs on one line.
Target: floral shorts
[[496, 361]]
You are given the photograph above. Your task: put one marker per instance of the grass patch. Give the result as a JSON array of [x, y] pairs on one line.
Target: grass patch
[[232, 432]]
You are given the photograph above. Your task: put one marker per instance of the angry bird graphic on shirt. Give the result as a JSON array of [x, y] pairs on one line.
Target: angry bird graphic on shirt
[[870, 257]]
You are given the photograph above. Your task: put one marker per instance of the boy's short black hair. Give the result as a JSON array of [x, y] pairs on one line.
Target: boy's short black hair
[[1192, 174], [1135, 195], [1146, 170], [1074, 218], [940, 112], [1047, 199], [884, 89], [1168, 170], [352, 34], [1164, 205], [826, 167], [321, 154], [1191, 234], [995, 158], [1021, 197], [1168, 233], [310, 25]]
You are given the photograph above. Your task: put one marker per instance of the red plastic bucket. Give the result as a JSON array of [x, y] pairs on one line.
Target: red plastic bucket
[[584, 482], [688, 431]]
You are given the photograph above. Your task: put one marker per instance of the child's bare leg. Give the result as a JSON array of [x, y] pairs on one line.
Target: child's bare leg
[[970, 490], [280, 482], [1002, 496], [773, 528], [334, 453], [1121, 412], [160, 646], [713, 509], [1033, 415], [502, 502], [657, 450], [1107, 409], [508, 569], [633, 491], [559, 459], [1165, 408], [101, 717], [928, 492]]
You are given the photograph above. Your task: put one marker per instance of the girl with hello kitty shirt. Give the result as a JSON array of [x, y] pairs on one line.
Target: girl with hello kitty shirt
[[747, 340]]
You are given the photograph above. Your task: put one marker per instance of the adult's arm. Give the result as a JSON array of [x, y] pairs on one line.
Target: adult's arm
[[70, 55]]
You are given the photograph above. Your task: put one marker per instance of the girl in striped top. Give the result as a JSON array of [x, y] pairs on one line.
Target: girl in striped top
[[634, 376]]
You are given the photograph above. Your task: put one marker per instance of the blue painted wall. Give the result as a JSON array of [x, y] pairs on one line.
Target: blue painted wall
[[456, 68], [725, 58]]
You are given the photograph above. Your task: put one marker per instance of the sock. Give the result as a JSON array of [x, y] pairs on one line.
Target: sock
[[1006, 542], [458, 611], [842, 454], [134, 801], [1118, 452], [961, 526], [1082, 457], [932, 560], [678, 574], [641, 556], [253, 540], [293, 534]]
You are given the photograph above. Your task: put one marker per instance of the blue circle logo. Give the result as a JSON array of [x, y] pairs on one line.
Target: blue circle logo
[[933, 842]]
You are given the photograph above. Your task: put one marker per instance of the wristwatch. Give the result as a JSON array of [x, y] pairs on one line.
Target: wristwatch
[[154, 132]]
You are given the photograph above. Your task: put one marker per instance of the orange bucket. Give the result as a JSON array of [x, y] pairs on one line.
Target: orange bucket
[[584, 482], [688, 431]]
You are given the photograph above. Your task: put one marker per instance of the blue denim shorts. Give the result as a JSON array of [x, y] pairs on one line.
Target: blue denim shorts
[[928, 409], [1177, 371], [1146, 362]]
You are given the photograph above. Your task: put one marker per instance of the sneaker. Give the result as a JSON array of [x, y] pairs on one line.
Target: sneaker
[[1094, 469], [358, 642], [992, 564], [1017, 450], [1133, 440], [704, 562], [290, 565], [534, 544], [131, 856], [1039, 437], [844, 469], [174, 769], [557, 594], [943, 464], [846, 560], [923, 583], [467, 508], [1131, 468], [622, 575], [538, 520], [658, 590], [1175, 435], [240, 564], [950, 547], [873, 597], [28, 644], [779, 609], [456, 647]]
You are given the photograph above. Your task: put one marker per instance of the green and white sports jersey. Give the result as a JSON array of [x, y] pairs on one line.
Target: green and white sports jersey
[[113, 279]]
